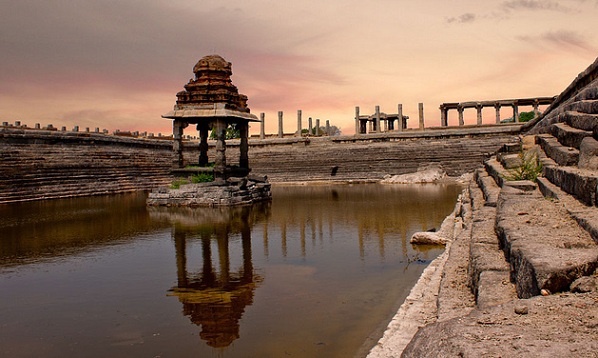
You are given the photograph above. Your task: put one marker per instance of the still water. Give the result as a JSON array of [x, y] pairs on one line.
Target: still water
[[318, 272]]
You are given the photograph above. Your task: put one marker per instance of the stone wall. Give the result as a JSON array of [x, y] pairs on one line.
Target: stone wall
[[43, 164]]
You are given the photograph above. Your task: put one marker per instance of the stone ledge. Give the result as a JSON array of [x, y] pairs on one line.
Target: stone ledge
[[569, 136], [562, 155], [546, 248], [577, 182]]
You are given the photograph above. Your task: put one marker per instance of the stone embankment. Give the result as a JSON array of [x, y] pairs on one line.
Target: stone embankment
[[44, 164], [519, 275]]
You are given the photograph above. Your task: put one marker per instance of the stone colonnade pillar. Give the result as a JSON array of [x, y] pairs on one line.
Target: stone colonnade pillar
[[317, 127], [299, 124], [515, 112], [377, 124], [203, 129], [421, 116], [280, 130], [460, 110], [400, 116], [497, 108], [327, 127], [357, 124], [443, 116], [177, 144], [244, 146], [220, 159], [262, 127], [310, 127], [536, 106], [478, 108]]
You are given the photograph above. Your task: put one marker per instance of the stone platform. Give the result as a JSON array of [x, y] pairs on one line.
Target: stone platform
[[220, 192]]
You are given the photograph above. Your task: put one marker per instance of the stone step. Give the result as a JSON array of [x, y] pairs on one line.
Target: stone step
[[583, 121], [586, 217], [590, 92], [545, 247], [495, 170], [569, 136], [578, 182], [509, 161], [488, 186], [584, 106], [561, 154], [588, 154], [488, 270]]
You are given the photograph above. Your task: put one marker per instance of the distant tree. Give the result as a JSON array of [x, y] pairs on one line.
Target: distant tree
[[334, 131], [231, 132], [526, 116]]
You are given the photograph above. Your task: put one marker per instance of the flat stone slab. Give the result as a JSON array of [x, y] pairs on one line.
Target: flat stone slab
[[569, 136], [562, 155], [585, 121], [563, 325], [546, 248], [233, 191], [580, 183]]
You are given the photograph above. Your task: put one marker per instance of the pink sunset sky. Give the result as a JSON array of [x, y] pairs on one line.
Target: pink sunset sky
[[119, 64]]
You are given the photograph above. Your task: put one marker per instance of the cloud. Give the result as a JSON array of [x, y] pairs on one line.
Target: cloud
[[534, 5], [560, 39], [465, 18]]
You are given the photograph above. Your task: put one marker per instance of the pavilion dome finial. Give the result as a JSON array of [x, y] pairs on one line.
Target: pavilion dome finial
[[211, 85]]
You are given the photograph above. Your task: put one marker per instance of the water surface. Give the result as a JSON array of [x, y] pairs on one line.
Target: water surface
[[316, 273]]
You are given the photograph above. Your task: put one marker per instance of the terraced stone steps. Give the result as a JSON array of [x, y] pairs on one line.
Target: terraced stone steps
[[569, 136], [546, 248], [562, 155], [583, 121]]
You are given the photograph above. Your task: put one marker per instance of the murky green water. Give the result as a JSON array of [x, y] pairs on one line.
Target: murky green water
[[316, 273]]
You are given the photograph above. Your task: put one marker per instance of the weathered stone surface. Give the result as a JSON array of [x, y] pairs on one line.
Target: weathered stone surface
[[562, 155], [509, 161], [427, 238], [545, 247], [555, 326], [494, 288], [584, 106], [525, 185], [577, 182], [489, 187], [569, 136], [588, 154], [585, 284], [235, 191], [429, 173], [583, 121], [495, 170]]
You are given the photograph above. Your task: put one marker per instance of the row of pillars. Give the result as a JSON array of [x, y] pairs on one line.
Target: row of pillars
[[373, 124], [220, 126], [460, 107], [298, 133]]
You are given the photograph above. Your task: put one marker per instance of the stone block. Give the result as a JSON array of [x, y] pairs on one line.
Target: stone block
[[509, 161], [565, 156], [577, 182], [584, 106], [583, 121], [588, 154], [569, 136], [494, 288]]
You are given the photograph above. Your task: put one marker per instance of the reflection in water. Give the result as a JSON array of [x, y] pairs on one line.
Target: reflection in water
[[214, 299], [314, 273]]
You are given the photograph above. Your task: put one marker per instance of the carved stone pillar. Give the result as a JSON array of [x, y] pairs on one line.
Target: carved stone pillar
[[299, 125], [421, 116], [220, 160], [317, 127], [515, 112], [460, 110], [244, 146], [478, 108], [443, 116], [177, 143], [310, 126], [536, 108], [280, 129], [203, 129], [497, 107], [357, 122], [377, 125], [263, 124], [400, 116]]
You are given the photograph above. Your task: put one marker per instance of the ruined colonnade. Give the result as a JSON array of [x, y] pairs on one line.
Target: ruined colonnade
[[496, 104]]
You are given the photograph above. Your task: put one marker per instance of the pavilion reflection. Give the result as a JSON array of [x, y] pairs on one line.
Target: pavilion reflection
[[215, 298]]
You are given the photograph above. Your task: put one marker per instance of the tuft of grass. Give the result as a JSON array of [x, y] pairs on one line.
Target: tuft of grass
[[177, 183], [202, 178], [529, 169]]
